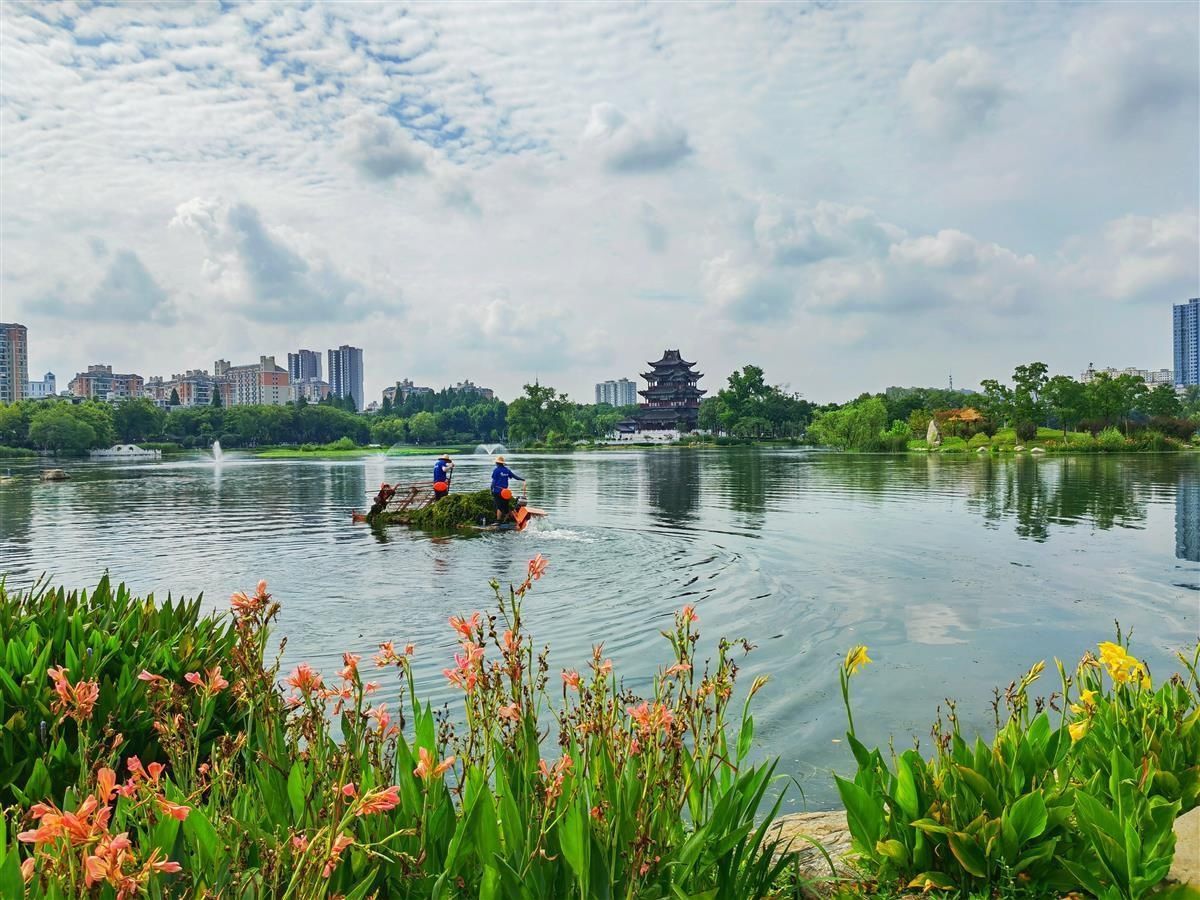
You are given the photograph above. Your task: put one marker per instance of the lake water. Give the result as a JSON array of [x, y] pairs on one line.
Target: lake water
[[958, 573]]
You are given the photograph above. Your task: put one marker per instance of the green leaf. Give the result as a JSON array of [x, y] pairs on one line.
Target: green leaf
[[893, 850], [981, 788], [11, 882], [1028, 817], [968, 854], [200, 833], [864, 814], [297, 790], [745, 736], [927, 880], [906, 786], [929, 826]]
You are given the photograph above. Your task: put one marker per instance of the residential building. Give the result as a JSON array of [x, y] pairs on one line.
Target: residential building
[[672, 400], [1187, 342], [303, 365], [402, 390], [1152, 377], [346, 374], [314, 390], [39, 390], [99, 382], [468, 387], [622, 392], [14, 361], [195, 387], [262, 383]]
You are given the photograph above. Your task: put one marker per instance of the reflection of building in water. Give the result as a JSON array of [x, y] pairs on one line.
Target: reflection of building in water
[[1187, 519], [672, 480]]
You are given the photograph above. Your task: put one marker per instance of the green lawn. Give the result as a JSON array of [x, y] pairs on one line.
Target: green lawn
[[297, 453]]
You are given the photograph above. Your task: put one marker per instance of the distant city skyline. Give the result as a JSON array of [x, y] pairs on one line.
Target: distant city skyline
[[847, 195]]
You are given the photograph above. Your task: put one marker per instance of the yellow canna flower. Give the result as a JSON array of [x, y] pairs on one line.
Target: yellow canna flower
[[1078, 729], [856, 658]]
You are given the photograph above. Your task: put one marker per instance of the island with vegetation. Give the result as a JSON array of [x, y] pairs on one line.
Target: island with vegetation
[[153, 749]]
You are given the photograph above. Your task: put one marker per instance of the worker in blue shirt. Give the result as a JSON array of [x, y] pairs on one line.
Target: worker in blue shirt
[[443, 471], [500, 476]]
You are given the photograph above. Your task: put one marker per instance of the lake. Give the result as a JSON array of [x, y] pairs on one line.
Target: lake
[[957, 572]]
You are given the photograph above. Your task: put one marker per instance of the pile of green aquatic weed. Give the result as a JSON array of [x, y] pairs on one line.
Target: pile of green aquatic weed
[[452, 511]]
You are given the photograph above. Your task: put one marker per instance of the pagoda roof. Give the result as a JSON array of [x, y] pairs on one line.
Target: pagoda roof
[[671, 358], [660, 376], [672, 390]]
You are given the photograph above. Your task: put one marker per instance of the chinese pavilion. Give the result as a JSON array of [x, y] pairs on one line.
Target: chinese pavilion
[[672, 398]]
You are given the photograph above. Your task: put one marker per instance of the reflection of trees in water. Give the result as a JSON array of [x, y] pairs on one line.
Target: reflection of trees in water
[[1105, 491], [672, 479], [16, 510]]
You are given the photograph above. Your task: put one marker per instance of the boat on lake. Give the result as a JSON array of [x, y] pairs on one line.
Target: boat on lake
[[126, 451]]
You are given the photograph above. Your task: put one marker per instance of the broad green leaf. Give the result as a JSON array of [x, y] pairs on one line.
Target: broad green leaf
[[1028, 817], [968, 854]]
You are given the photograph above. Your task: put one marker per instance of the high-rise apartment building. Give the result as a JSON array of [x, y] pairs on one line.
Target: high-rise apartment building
[[1152, 377], [14, 361], [1187, 342], [262, 383], [346, 374], [622, 392], [39, 390], [304, 365], [99, 382]]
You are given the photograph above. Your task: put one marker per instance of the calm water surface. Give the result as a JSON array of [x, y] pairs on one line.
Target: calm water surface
[[956, 572]]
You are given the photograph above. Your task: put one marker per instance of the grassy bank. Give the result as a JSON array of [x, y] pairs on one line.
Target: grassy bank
[[1052, 440], [191, 766]]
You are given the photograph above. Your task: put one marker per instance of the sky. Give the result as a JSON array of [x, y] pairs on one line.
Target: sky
[[850, 196]]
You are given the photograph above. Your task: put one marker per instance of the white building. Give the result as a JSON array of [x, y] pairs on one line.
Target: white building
[[262, 383], [1152, 377], [39, 390], [621, 392]]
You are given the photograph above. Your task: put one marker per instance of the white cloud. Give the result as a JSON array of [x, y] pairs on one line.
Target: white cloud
[[646, 143], [956, 93], [381, 149], [1141, 258]]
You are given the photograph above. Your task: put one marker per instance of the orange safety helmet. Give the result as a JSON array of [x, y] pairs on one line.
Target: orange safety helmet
[[506, 494]]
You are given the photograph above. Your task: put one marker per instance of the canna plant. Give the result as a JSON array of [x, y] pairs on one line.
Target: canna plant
[[1070, 797], [314, 788], [103, 638]]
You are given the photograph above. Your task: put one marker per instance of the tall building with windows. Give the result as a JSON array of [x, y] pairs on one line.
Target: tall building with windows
[[99, 382], [346, 374], [1187, 342], [14, 361], [304, 365], [261, 383], [621, 392]]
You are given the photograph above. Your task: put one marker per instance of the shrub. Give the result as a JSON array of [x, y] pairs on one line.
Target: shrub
[[1026, 431], [15, 452], [980, 439], [1154, 441], [1050, 801], [1081, 441], [1110, 440], [954, 445], [634, 797], [1180, 429], [107, 637], [896, 438], [342, 443]]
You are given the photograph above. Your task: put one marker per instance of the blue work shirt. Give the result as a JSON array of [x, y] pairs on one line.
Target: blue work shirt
[[500, 476], [439, 470]]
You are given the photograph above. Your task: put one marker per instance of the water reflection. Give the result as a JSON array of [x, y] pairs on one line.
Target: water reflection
[[1187, 518], [672, 484]]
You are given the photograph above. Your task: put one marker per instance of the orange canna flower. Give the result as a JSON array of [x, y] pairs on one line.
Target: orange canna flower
[[511, 712], [300, 842], [74, 700], [209, 684], [678, 669], [688, 614], [571, 678], [426, 769], [27, 869], [146, 675], [106, 784], [174, 810], [379, 801], [340, 843], [349, 790], [537, 566], [465, 627], [305, 679], [350, 666]]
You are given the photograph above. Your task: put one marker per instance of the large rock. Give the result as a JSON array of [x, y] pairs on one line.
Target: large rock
[[933, 437], [1186, 867], [828, 829]]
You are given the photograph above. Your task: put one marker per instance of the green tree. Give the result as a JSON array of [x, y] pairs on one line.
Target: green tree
[[385, 408], [422, 428], [855, 426], [217, 402], [1028, 382], [138, 420], [533, 416], [1162, 401], [1191, 401], [996, 401], [99, 416], [174, 401], [1066, 398], [58, 429], [14, 423]]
